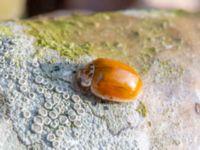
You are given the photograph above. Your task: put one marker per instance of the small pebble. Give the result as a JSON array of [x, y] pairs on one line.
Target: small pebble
[[197, 108]]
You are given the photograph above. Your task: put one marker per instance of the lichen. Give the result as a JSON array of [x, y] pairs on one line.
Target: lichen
[[146, 56], [180, 12], [5, 31], [168, 70], [55, 35], [27, 88], [1, 97], [141, 109], [64, 34], [138, 40]]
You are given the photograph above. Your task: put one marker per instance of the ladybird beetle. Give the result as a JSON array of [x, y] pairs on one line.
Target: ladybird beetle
[[110, 80]]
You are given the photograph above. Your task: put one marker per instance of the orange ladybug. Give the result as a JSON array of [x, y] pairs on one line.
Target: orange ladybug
[[110, 80]]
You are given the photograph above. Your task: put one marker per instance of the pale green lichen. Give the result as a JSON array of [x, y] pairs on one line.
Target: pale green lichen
[[141, 109], [168, 69], [55, 35], [106, 35], [1, 97], [180, 12], [53, 61], [17, 62], [5, 31], [146, 56], [64, 35]]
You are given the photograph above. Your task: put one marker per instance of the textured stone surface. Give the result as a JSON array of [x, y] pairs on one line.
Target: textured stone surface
[[41, 109]]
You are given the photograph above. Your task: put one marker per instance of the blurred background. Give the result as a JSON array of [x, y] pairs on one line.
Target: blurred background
[[12, 9]]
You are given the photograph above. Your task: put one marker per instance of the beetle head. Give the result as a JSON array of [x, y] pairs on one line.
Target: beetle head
[[85, 75]]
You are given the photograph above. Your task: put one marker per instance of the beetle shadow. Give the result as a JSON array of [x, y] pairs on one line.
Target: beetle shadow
[[60, 71]]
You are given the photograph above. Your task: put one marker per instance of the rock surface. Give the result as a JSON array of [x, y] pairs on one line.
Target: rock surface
[[40, 108]]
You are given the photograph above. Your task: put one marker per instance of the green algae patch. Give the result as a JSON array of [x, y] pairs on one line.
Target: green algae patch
[[5, 31], [146, 56], [184, 13], [167, 71], [55, 34], [180, 12], [69, 36], [141, 109], [132, 40]]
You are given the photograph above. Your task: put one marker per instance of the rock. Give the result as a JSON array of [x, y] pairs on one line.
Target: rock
[[38, 59]]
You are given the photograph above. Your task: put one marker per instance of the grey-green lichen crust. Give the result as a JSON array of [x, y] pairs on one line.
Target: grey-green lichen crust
[[46, 112], [38, 59]]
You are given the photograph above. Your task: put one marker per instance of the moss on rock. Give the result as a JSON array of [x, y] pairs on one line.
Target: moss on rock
[[55, 35], [141, 109], [135, 41], [5, 31], [168, 71]]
